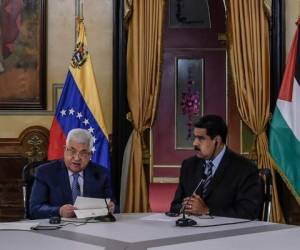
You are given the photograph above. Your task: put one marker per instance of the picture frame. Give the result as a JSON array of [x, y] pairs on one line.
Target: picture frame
[[23, 55], [247, 139], [57, 90], [189, 14], [189, 96]]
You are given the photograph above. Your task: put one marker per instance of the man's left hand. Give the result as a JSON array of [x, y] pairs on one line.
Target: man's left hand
[[111, 207], [195, 205]]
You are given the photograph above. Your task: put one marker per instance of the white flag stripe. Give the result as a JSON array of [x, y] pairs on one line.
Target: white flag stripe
[[290, 110]]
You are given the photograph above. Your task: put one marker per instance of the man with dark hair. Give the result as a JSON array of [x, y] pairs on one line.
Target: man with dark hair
[[229, 183]]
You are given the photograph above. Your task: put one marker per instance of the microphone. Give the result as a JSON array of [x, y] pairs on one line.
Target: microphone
[[106, 218], [188, 222]]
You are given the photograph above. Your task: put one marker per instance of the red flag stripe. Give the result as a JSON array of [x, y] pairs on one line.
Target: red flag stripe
[[286, 89], [56, 140]]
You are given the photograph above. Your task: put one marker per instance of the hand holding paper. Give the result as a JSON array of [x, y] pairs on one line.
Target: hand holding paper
[[90, 207]]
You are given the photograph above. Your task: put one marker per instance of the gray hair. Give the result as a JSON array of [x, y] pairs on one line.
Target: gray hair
[[81, 136]]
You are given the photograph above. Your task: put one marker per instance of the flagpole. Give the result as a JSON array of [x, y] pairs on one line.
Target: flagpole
[[81, 9], [77, 10], [77, 7], [78, 15]]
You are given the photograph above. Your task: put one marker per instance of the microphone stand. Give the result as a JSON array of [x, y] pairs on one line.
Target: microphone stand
[[188, 222], [185, 222], [106, 218]]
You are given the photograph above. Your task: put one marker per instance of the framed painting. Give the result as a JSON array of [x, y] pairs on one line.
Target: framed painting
[[247, 140], [189, 99], [57, 90], [23, 55], [189, 14]]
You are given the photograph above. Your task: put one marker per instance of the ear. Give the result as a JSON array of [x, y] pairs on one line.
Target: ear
[[217, 140]]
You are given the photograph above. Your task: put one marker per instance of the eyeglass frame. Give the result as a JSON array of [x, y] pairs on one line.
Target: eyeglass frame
[[83, 154]]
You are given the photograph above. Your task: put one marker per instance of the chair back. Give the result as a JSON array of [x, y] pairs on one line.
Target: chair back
[[266, 179], [28, 176]]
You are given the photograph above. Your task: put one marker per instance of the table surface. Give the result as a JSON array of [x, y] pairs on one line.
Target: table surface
[[156, 231]]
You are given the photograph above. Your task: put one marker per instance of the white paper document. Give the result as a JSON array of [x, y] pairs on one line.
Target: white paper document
[[90, 207], [159, 217], [18, 225]]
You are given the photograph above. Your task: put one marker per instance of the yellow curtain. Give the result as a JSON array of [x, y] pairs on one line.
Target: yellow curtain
[[249, 55], [127, 10], [144, 53]]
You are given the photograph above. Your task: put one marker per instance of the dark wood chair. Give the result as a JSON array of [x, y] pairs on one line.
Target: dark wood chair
[[266, 179], [28, 176], [15, 153]]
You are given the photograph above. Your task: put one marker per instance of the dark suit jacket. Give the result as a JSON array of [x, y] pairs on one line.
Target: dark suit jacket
[[51, 188], [235, 190]]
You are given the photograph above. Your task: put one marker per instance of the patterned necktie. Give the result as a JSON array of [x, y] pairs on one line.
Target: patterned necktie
[[75, 187], [208, 166]]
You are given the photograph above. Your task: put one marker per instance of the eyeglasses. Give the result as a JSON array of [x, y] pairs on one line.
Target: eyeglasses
[[82, 154]]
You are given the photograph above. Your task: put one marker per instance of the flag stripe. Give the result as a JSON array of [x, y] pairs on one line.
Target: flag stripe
[[87, 86], [289, 110], [286, 89], [56, 140], [284, 146], [297, 60]]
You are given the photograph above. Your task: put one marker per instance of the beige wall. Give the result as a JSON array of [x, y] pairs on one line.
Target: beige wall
[[60, 44], [98, 19]]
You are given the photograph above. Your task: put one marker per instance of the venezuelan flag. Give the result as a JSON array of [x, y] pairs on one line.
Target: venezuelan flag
[[79, 106]]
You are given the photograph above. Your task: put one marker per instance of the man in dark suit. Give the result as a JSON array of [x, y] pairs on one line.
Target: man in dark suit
[[229, 183], [58, 183]]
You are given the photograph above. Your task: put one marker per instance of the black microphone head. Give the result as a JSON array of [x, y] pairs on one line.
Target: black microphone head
[[185, 222], [106, 218], [55, 220]]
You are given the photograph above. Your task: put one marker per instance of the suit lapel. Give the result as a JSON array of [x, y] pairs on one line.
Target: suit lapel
[[64, 182], [88, 177], [198, 172], [218, 176]]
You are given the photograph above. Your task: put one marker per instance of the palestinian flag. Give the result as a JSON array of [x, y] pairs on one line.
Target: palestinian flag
[[285, 126]]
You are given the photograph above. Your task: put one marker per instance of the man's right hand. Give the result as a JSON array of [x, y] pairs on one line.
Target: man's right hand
[[195, 205], [67, 211]]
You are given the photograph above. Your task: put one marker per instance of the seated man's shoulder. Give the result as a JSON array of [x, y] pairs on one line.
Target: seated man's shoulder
[[189, 164], [97, 167], [242, 161], [191, 160], [50, 166]]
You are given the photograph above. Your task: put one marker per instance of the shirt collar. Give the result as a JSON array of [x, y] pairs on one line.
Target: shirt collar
[[71, 173], [216, 161]]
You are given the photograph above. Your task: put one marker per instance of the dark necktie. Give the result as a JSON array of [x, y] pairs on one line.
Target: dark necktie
[[75, 187], [208, 166]]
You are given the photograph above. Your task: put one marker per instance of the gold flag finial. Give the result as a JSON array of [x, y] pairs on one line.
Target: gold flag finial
[[78, 16]]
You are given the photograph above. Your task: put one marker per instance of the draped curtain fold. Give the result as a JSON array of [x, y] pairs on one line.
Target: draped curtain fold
[[249, 54], [144, 53]]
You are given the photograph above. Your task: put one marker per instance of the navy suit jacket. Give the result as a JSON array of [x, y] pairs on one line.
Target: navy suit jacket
[[235, 190], [51, 188]]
